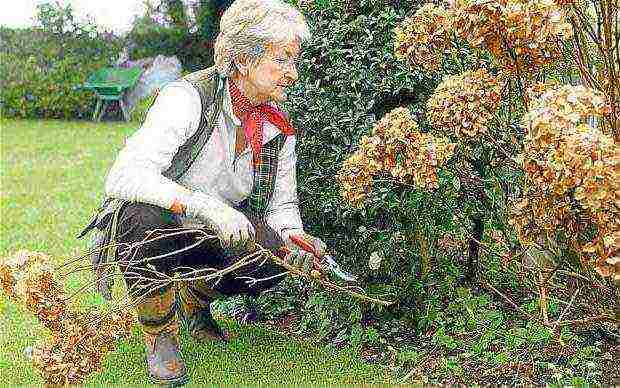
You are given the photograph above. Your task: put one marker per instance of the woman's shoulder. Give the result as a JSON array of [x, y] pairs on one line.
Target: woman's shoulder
[[205, 82], [209, 74]]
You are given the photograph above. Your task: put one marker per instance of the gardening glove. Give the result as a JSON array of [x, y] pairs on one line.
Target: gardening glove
[[300, 259], [232, 227]]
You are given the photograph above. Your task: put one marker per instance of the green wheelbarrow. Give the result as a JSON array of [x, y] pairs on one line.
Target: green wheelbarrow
[[109, 84]]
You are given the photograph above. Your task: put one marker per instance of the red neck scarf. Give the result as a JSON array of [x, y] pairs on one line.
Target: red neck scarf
[[254, 117]]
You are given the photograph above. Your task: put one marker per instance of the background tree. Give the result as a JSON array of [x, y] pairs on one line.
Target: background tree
[[186, 29]]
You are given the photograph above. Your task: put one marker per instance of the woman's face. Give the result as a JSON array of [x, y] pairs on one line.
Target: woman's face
[[268, 79]]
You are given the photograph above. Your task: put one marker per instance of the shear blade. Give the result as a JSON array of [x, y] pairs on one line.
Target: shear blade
[[335, 268]]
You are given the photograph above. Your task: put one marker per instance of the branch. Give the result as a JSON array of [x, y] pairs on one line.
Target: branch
[[327, 283], [507, 299], [514, 163], [572, 300], [584, 321], [250, 281], [199, 274]]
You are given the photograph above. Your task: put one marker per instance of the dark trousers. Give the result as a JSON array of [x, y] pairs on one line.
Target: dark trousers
[[139, 221]]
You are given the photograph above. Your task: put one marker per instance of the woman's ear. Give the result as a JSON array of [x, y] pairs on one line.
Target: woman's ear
[[242, 64]]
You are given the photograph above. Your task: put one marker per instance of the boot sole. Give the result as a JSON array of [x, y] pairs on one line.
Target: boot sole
[[178, 382]]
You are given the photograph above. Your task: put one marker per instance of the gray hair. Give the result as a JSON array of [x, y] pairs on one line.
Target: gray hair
[[249, 26]]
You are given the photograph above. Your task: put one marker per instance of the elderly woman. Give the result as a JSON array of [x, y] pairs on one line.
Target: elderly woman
[[214, 151]]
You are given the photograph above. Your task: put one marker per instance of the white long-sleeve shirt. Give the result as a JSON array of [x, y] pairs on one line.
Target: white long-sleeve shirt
[[174, 117]]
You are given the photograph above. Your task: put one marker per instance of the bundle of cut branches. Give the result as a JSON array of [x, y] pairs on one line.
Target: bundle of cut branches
[[79, 339]]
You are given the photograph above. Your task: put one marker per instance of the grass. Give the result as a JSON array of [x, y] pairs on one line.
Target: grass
[[51, 179]]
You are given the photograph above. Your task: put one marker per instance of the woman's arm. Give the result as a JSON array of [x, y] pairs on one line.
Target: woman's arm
[[283, 212], [136, 174]]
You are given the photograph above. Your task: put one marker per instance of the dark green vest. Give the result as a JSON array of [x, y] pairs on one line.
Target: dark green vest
[[210, 87]]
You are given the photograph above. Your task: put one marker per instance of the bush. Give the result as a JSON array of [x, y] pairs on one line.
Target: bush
[[547, 182], [349, 78], [43, 66], [407, 243], [151, 39]]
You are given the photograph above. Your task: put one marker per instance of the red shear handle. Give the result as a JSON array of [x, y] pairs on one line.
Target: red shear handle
[[303, 244], [306, 246]]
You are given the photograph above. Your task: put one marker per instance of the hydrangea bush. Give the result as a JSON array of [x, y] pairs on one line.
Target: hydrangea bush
[[537, 160]]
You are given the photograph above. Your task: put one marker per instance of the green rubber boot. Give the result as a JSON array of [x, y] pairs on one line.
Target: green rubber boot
[[157, 314], [194, 308]]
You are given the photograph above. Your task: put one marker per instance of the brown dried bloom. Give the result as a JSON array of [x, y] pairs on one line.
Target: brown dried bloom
[[355, 178], [572, 176], [79, 340], [531, 29], [423, 38], [561, 108], [463, 104], [397, 148]]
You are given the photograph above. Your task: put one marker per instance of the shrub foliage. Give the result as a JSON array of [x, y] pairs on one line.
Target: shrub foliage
[[378, 76], [43, 66], [349, 77], [563, 154]]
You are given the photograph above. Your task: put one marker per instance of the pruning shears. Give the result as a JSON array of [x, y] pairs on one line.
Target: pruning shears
[[326, 262]]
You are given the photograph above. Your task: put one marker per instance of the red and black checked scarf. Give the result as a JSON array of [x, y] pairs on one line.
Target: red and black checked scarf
[[253, 118]]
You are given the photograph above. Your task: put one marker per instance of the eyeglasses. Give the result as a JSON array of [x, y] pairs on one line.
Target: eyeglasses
[[286, 62]]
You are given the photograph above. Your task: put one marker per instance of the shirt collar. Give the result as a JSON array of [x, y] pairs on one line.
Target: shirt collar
[[269, 130]]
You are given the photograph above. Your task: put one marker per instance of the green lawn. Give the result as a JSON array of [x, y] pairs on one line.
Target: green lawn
[[51, 178]]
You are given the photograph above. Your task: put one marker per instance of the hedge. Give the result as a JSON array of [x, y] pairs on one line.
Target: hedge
[[42, 69]]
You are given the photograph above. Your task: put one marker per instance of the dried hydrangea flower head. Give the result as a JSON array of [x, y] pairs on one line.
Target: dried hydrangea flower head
[[422, 39], [462, 105], [396, 148], [79, 340], [573, 176], [522, 35]]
